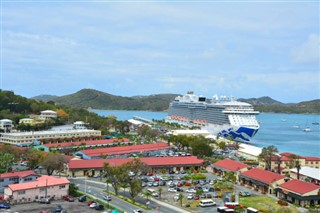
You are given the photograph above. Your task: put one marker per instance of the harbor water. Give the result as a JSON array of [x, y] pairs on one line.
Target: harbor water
[[285, 131]]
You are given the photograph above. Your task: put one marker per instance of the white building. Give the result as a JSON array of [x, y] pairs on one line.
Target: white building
[[249, 152], [6, 125], [191, 132], [29, 137], [79, 125], [48, 114]]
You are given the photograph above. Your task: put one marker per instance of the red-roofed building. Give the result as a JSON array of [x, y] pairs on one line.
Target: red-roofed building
[[92, 167], [84, 144], [221, 167], [44, 186], [299, 192], [287, 160], [122, 150], [261, 180], [16, 177]]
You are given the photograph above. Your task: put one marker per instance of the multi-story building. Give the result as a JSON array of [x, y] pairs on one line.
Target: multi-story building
[[6, 125], [25, 138], [16, 177], [48, 114], [44, 186]]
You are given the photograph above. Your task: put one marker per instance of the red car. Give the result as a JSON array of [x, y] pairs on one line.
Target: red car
[[68, 198], [196, 197], [91, 202]]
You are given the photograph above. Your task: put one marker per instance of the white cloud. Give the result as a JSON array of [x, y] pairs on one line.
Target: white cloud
[[308, 51]]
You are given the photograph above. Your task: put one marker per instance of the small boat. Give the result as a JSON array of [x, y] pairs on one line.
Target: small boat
[[296, 126], [307, 129], [315, 123]]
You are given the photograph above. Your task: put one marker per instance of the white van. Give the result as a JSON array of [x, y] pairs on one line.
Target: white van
[[153, 192], [208, 202]]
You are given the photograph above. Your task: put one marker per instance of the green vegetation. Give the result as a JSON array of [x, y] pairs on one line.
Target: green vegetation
[[265, 204], [15, 107], [99, 100]]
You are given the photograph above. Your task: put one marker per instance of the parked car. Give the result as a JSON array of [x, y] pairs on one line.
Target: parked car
[[93, 205], [4, 206], [190, 197], [44, 200], [99, 207], [179, 189], [172, 190], [244, 194], [107, 197], [82, 198], [91, 202], [58, 208], [68, 198], [191, 190], [137, 211]]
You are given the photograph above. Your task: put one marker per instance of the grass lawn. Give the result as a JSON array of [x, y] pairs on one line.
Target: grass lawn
[[263, 203]]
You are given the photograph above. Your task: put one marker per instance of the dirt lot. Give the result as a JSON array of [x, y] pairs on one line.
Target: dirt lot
[[71, 207]]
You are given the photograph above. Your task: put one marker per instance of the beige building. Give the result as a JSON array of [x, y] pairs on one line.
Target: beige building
[[30, 137], [44, 186], [299, 192]]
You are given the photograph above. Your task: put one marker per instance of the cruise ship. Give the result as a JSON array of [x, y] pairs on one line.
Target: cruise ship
[[223, 117]]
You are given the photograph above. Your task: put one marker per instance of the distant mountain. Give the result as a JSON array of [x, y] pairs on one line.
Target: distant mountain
[[265, 100], [99, 100], [44, 97], [86, 98]]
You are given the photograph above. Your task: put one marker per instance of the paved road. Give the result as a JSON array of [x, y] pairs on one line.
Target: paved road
[[95, 188]]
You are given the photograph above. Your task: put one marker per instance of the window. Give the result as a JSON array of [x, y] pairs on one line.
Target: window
[[21, 192], [62, 186]]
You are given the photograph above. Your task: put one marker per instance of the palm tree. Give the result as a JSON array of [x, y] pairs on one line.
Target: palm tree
[[147, 194], [180, 197], [160, 191]]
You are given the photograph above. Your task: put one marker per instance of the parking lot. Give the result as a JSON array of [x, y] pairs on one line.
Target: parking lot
[[73, 207], [175, 185]]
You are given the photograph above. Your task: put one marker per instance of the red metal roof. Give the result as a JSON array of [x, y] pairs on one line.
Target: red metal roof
[[88, 143], [42, 181], [299, 186], [125, 149], [263, 175], [157, 161], [230, 164], [19, 174], [310, 158]]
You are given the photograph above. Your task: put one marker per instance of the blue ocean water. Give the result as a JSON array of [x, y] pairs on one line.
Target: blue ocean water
[[279, 130]]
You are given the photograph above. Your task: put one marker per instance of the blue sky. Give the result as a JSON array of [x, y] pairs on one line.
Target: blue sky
[[245, 49]]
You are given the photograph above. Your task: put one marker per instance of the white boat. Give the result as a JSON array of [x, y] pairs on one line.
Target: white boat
[[307, 129], [224, 116]]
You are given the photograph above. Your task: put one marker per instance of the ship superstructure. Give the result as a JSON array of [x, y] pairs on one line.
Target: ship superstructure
[[223, 117]]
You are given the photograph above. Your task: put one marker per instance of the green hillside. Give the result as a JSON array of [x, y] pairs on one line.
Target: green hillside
[[99, 100]]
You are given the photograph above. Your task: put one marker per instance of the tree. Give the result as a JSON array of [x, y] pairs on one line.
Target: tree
[[160, 192], [180, 198], [136, 168], [6, 162], [54, 161], [201, 149], [147, 194], [34, 157], [267, 154], [114, 175]]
